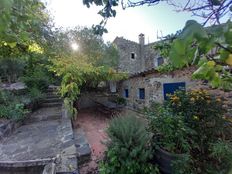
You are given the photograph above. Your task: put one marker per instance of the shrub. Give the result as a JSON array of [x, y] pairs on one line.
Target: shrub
[[120, 100], [10, 107], [128, 150], [11, 68], [197, 121], [170, 129], [35, 94], [37, 79]]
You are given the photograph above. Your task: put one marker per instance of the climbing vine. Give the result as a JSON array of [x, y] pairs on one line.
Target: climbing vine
[[75, 73]]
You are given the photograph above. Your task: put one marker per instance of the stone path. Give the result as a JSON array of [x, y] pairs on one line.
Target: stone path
[[93, 124], [46, 136]]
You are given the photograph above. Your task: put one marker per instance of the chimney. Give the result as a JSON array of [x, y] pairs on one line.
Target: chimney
[[141, 39]]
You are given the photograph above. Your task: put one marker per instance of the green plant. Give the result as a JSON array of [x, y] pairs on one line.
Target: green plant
[[37, 79], [10, 107], [204, 114], [120, 100], [222, 151], [128, 150], [35, 94], [170, 130]]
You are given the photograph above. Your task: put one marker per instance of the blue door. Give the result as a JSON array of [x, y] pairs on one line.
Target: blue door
[[170, 88]]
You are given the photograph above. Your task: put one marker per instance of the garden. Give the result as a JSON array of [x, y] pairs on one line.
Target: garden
[[189, 133]]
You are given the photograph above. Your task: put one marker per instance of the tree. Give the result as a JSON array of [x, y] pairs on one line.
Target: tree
[[210, 10], [22, 32], [93, 62]]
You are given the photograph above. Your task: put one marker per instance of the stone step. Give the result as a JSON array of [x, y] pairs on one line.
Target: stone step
[[51, 100], [82, 145], [52, 104], [52, 97], [43, 118]]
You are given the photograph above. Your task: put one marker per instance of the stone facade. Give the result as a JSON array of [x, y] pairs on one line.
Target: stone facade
[[135, 57], [143, 75], [153, 86]]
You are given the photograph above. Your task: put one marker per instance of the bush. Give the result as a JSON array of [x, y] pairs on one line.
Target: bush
[[11, 69], [195, 120], [128, 150], [170, 130], [37, 79], [35, 94], [10, 107]]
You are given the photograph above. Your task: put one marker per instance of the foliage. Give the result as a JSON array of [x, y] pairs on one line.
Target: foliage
[[38, 79], [10, 107], [92, 63], [11, 68], [166, 67], [200, 116], [170, 129], [128, 150], [209, 48], [29, 16], [202, 111], [35, 94], [120, 100]]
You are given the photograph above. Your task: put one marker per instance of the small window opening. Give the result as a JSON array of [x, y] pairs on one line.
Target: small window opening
[[160, 61], [141, 93], [126, 93], [132, 55]]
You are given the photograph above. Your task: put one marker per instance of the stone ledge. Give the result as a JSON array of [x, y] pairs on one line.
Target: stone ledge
[[28, 163]]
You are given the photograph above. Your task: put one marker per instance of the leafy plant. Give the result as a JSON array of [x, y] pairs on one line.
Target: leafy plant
[[10, 107], [37, 79], [128, 150], [35, 94], [204, 114], [11, 68], [170, 130]]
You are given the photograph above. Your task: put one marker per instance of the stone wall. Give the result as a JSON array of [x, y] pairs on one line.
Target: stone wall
[[126, 63], [145, 55], [153, 85]]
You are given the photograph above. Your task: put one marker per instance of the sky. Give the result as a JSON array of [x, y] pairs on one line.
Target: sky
[[160, 19]]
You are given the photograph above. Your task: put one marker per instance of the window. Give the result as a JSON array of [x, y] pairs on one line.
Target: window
[[170, 88], [132, 55], [126, 93], [160, 61], [141, 93]]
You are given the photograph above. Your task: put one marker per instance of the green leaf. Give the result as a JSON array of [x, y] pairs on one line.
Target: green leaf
[[6, 4], [177, 53], [193, 29]]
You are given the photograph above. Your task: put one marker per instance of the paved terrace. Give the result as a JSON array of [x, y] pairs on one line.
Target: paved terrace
[[45, 137]]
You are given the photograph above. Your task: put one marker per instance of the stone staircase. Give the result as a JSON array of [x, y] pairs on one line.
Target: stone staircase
[[45, 139], [52, 99]]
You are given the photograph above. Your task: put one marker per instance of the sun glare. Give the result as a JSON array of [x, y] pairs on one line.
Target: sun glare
[[74, 46]]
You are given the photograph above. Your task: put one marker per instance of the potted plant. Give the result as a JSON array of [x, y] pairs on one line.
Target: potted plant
[[192, 134], [170, 138]]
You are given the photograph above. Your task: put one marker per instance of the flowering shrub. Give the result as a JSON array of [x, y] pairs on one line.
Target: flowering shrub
[[204, 114]]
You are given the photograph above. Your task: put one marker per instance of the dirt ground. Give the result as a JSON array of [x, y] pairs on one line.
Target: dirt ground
[[94, 125]]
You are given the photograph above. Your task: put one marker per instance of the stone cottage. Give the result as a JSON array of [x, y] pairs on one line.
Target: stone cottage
[[145, 84]]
